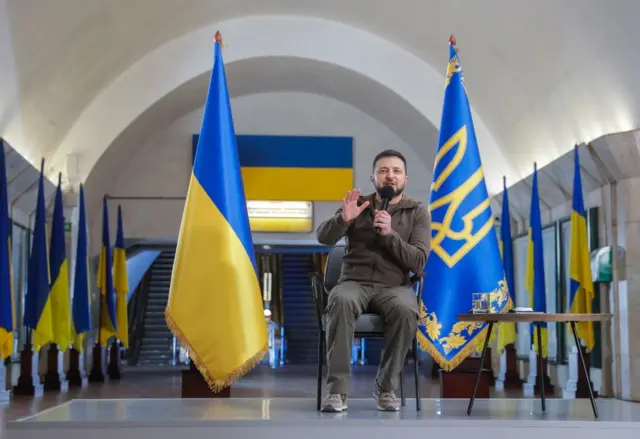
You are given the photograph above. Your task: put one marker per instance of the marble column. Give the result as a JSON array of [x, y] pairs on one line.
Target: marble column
[[624, 201]]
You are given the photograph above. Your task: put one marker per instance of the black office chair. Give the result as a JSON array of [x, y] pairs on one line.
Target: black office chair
[[368, 325]]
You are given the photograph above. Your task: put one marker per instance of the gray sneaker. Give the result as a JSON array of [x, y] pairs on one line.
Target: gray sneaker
[[387, 401], [334, 403]]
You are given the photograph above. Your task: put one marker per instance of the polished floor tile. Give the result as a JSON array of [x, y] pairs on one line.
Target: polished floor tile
[[152, 411], [164, 382]]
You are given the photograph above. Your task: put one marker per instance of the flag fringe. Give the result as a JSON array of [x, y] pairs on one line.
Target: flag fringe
[[215, 384], [463, 354], [474, 343]]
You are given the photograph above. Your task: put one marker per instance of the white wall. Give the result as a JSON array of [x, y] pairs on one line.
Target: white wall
[[161, 167], [9, 104], [8, 77]]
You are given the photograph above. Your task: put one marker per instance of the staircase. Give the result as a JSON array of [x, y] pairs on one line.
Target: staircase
[[157, 340], [300, 318]]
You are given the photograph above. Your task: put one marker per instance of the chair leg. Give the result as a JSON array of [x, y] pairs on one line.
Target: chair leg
[[416, 373], [402, 397], [320, 362]]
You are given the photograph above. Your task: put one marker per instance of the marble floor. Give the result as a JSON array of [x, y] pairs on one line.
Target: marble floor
[[275, 418], [172, 410], [164, 382], [146, 400]]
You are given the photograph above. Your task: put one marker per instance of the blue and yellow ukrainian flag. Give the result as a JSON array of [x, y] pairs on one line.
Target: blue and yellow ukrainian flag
[[507, 331], [581, 292], [215, 307], [535, 267], [279, 168], [7, 316], [81, 305], [121, 283], [465, 257], [37, 307], [59, 270], [105, 283]]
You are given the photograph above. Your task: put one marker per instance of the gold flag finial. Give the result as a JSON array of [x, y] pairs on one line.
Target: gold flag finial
[[452, 41], [219, 39]]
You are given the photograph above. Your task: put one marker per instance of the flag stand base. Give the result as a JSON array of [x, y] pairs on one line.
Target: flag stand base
[[52, 377], [459, 383], [74, 378], [584, 382], [549, 389], [113, 369], [25, 385], [96, 375], [195, 386], [512, 376]]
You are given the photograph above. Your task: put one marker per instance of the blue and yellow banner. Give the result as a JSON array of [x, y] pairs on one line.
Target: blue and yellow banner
[[535, 267], [108, 325], [280, 168], [581, 292], [81, 305], [59, 271], [121, 283], [37, 302], [506, 330], [7, 310], [215, 305], [465, 257]]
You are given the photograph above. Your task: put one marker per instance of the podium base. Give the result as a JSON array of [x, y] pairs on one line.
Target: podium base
[[195, 386], [460, 383]]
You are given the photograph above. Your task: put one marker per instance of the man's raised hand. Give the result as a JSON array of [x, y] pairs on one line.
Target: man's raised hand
[[350, 208]]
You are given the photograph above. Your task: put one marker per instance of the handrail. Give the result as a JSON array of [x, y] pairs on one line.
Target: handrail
[[137, 267]]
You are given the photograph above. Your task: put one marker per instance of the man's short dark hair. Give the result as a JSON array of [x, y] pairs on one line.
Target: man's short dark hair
[[390, 153]]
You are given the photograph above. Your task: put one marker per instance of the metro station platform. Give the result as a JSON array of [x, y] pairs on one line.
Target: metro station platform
[[271, 418]]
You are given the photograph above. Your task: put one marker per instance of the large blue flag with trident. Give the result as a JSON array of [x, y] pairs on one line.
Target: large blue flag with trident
[[465, 255]]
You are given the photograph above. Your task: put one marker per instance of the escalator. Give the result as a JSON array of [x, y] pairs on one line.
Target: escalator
[[156, 340], [300, 319]]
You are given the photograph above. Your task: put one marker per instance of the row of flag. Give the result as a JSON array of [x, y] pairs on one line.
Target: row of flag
[[56, 310], [466, 255], [581, 291]]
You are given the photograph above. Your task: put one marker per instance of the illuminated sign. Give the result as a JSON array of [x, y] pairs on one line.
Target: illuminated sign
[[280, 216]]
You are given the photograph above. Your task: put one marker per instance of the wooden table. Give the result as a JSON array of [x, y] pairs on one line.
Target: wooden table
[[537, 319]]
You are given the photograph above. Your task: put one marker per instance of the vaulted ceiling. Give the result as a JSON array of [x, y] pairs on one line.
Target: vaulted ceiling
[[542, 76]]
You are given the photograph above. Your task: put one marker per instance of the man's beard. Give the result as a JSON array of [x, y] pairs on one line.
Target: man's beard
[[398, 190]]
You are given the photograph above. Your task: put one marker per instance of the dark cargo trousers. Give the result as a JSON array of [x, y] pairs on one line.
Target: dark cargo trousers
[[397, 306]]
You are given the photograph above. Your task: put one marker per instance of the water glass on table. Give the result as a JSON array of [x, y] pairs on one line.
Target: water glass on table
[[481, 303]]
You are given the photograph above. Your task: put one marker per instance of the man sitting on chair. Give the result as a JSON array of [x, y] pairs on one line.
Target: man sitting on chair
[[382, 249]]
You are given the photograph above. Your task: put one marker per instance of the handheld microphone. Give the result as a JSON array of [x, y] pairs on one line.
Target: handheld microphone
[[386, 193]]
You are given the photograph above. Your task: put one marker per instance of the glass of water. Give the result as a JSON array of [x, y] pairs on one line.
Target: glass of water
[[481, 303]]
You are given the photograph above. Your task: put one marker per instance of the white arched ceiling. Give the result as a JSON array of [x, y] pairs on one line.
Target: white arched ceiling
[[190, 56], [277, 74], [543, 75]]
